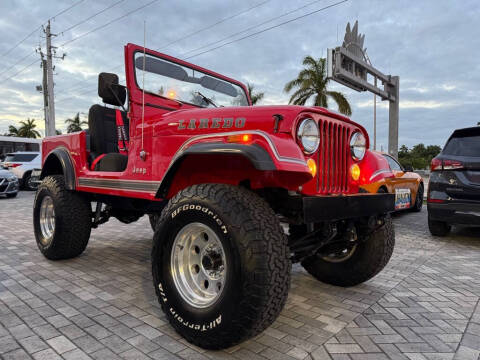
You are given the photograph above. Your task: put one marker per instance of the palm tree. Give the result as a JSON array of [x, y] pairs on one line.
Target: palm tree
[[312, 81], [75, 124], [255, 97], [12, 131], [27, 129]]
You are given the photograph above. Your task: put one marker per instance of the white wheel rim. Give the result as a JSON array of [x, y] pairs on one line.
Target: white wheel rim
[[198, 265], [47, 220]]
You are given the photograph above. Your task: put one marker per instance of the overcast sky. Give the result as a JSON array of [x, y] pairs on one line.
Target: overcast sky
[[434, 46]]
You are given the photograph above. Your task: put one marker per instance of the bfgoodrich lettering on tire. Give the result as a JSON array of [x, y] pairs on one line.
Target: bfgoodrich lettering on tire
[[61, 220], [220, 264]]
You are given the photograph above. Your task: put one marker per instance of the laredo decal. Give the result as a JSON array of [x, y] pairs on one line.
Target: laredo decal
[[214, 123]]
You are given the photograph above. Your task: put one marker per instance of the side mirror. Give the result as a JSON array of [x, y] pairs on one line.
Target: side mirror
[[408, 168]]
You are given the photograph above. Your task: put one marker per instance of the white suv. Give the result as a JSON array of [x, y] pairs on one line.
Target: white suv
[[21, 164]]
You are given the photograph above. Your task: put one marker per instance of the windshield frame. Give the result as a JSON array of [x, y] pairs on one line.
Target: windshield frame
[[190, 66]]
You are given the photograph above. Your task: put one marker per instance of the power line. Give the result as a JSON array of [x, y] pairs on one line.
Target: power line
[[65, 10], [214, 24], [20, 71], [108, 23], [252, 27], [21, 41], [91, 17], [256, 33], [269, 28], [18, 62], [37, 28], [185, 37]]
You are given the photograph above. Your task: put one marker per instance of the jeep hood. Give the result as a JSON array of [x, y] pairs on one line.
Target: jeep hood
[[251, 117]]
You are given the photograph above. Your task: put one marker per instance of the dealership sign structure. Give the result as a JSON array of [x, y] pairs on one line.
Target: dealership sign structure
[[349, 65]]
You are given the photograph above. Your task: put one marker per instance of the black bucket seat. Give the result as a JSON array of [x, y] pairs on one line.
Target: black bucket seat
[[104, 133]]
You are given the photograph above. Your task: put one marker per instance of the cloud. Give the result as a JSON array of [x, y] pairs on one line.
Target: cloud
[[432, 45]]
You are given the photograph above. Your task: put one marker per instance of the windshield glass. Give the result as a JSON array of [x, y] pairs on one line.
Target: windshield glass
[[173, 81]]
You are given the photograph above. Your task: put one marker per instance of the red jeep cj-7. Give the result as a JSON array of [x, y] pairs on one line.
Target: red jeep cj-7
[[217, 177]]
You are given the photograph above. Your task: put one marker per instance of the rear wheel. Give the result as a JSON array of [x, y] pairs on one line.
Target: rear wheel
[[153, 219], [438, 228], [418, 199], [220, 264], [355, 264], [62, 220]]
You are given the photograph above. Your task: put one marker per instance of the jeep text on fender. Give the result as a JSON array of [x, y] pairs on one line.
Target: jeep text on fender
[[217, 177]]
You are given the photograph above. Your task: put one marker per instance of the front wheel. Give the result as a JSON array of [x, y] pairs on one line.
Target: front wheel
[[357, 263], [220, 264], [29, 183], [61, 219]]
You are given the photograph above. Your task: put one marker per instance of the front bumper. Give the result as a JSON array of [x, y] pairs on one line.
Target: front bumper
[[328, 208], [8, 187], [455, 212]]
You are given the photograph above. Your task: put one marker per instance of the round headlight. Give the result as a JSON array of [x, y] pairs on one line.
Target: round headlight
[[308, 135], [358, 146]]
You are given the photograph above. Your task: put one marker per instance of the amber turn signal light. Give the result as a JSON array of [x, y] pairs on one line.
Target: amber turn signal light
[[312, 166], [355, 172], [242, 138]]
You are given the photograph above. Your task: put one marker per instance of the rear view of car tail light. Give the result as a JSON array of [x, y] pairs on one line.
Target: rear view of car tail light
[[445, 164], [436, 164], [13, 165], [452, 165]]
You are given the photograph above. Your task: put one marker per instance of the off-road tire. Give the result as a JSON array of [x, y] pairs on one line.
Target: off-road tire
[[438, 228], [73, 220], [369, 258], [257, 258], [418, 199], [153, 219], [12, 195]]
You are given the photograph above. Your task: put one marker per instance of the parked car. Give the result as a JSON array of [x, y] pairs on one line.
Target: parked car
[[21, 164], [8, 183], [215, 175], [454, 187], [391, 177]]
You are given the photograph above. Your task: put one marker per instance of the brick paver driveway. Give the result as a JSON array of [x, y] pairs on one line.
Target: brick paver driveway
[[424, 305]]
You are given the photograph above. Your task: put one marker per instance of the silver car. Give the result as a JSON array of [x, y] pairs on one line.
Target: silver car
[[8, 184], [21, 164]]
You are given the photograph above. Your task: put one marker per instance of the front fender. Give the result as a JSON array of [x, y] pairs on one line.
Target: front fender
[[256, 154]]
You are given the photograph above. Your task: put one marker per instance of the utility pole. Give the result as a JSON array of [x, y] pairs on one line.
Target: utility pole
[[375, 118], [393, 115], [43, 88], [50, 129]]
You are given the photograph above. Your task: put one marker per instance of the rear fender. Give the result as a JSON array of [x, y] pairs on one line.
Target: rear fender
[[59, 162]]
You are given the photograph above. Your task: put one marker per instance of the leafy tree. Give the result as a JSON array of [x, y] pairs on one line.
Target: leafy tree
[[75, 124], [312, 81], [12, 131], [254, 96], [27, 129], [419, 157]]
